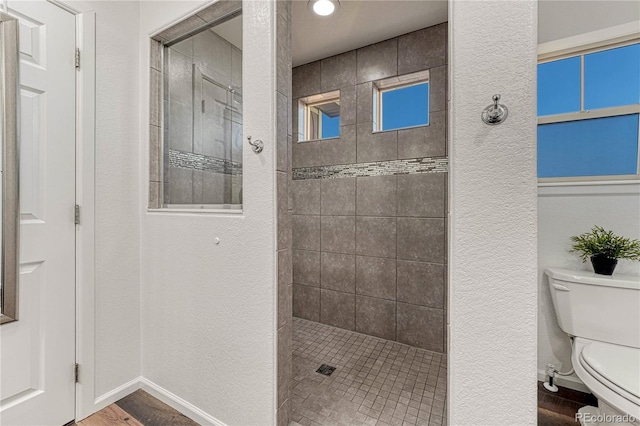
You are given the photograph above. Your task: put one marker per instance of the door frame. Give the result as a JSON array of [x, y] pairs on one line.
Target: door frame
[[85, 398], [85, 197]]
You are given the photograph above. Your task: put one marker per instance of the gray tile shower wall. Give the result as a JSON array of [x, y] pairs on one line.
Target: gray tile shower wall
[[369, 209], [284, 208]]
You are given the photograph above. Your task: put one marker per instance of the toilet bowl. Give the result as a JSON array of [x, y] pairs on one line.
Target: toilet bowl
[[602, 314], [612, 373]]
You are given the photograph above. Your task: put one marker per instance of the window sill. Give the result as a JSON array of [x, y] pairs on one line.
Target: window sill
[[400, 128], [319, 140], [196, 209], [589, 180], [613, 185]]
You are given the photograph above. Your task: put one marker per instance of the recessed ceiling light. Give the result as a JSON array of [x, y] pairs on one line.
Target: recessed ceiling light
[[323, 7]]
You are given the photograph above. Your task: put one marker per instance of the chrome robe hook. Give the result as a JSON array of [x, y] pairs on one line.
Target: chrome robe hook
[[257, 146], [495, 113]]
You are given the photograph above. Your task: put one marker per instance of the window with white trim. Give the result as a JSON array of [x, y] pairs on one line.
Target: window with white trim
[[319, 117], [401, 102], [589, 113]]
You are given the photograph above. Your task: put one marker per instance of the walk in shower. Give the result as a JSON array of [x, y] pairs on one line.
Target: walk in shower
[[369, 240], [202, 114]]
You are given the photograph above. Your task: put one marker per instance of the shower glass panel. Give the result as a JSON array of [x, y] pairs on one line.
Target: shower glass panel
[[203, 119]]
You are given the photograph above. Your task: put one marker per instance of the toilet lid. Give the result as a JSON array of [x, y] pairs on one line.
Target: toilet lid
[[620, 365]]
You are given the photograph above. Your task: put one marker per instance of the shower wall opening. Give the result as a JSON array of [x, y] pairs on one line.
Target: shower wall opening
[[370, 206], [197, 142], [369, 236], [203, 121]]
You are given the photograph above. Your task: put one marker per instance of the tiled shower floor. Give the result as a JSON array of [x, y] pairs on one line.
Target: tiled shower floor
[[376, 381]]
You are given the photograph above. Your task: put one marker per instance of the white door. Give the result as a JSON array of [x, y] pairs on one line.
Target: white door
[[38, 350]]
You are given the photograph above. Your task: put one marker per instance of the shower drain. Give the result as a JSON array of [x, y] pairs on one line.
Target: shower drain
[[326, 369]]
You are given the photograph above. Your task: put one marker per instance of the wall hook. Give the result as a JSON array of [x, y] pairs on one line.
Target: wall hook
[[495, 113], [257, 146]]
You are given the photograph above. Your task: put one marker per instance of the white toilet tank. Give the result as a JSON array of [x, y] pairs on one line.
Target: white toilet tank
[[597, 307]]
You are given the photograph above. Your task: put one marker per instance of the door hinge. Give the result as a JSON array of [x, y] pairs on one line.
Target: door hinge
[[76, 216], [76, 372], [77, 58]]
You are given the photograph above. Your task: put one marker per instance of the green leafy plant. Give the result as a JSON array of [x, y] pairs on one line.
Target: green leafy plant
[[606, 243]]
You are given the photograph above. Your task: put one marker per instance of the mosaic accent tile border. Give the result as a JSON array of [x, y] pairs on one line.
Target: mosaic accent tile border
[[205, 163], [378, 168]]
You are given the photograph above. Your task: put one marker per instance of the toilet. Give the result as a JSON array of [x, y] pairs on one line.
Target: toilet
[[602, 314]]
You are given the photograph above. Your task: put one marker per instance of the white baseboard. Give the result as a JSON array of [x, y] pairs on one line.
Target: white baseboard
[[571, 382], [172, 400], [116, 394], [186, 408]]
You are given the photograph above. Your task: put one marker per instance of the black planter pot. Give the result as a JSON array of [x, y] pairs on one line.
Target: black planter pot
[[603, 265]]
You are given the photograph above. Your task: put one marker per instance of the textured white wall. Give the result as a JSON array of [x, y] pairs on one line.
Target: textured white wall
[[117, 296], [493, 265], [208, 311], [570, 209]]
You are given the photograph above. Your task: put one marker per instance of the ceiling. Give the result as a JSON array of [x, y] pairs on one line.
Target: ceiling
[[358, 23], [560, 19], [362, 22]]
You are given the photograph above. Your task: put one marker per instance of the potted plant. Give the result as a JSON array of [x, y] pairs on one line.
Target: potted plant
[[604, 248]]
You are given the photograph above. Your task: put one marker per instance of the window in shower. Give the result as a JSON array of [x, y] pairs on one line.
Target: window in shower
[[202, 118], [319, 116], [401, 102], [589, 113]]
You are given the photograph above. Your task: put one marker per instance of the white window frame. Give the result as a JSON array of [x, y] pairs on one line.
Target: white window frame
[[396, 83], [305, 105], [582, 51]]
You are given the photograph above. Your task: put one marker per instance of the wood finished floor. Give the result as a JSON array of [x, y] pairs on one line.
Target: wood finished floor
[[141, 409], [559, 409], [137, 409]]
